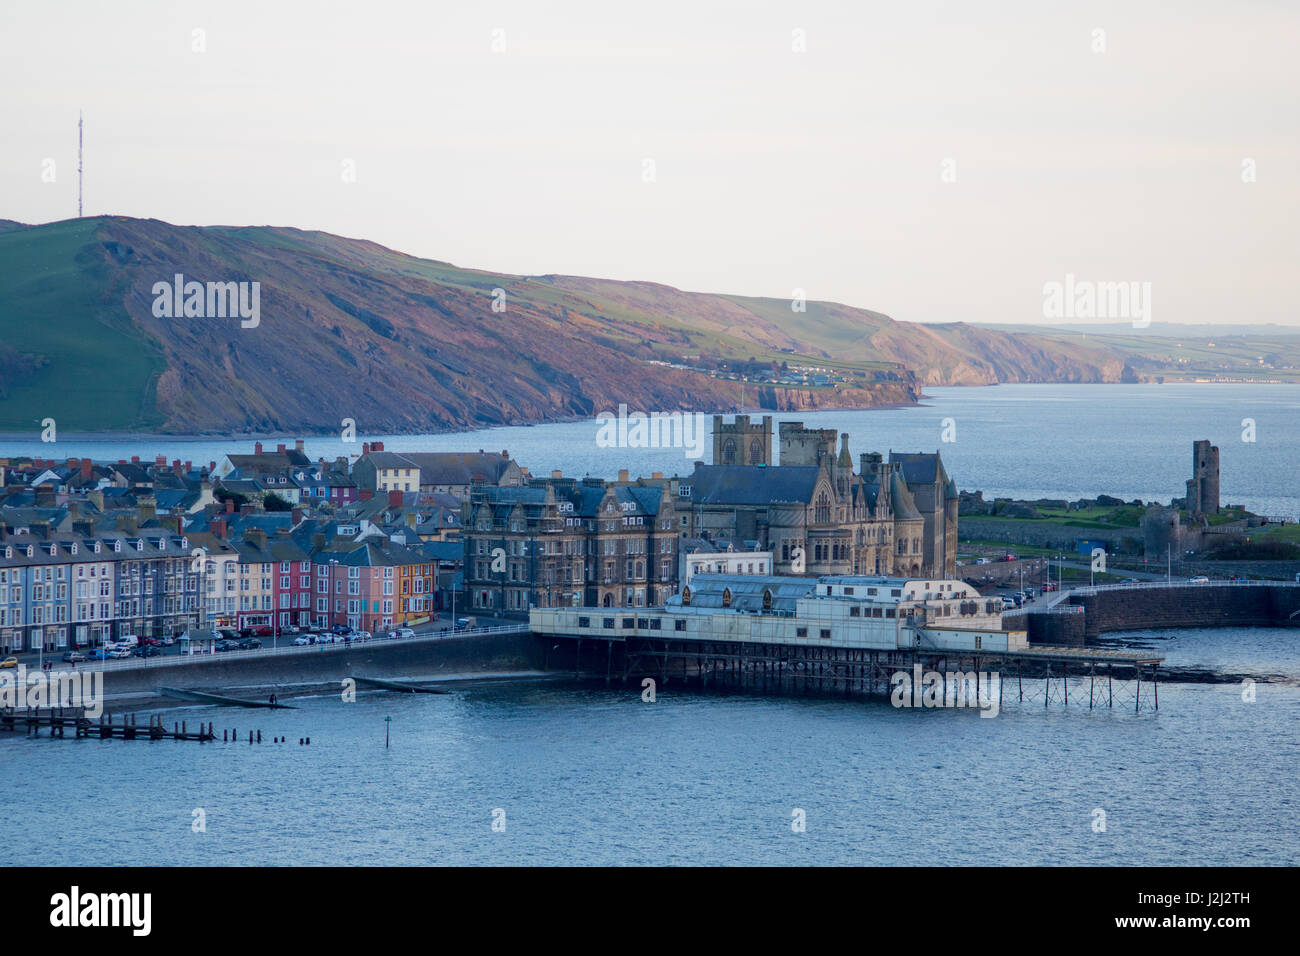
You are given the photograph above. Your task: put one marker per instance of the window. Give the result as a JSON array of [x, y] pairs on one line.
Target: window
[[801, 632], [679, 625], [826, 633]]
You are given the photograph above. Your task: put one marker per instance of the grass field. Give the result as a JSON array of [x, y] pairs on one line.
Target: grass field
[[47, 310]]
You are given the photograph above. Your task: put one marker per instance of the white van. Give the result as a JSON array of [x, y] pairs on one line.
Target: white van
[[126, 640]]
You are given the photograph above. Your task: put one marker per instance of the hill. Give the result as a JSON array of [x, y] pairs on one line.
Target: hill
[[350, 329]]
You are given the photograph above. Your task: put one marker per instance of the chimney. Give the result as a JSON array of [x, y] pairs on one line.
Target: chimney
[[212, 466], [96, 498], [247, 510], [135, 459], [622, 475], [176, 466], [411, 517], [256, 537], [189, 466], [86, 465], [84, 528], [318, 541], [557, 473], [376, 446], [297, 516], [230, 506], [299, 445], [218, 528], [394, 499], [504, 453], [257, 448], [365, 494], [280, 449], [73, 464], [148, 507], [128, 523], [365, 448], [160, 461]]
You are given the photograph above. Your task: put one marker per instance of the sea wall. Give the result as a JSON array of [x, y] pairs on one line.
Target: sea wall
[[1186, 605], [489, 653]]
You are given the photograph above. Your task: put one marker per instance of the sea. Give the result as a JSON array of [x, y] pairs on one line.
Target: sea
[[551, 771]]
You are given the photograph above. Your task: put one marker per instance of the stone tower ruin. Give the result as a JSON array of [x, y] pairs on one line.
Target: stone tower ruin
[[1203, 486]]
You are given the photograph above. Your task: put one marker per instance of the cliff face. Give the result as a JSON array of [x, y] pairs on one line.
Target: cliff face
[[349, 329]]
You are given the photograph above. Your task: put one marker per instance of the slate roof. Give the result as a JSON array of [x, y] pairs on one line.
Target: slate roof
[[751, 484]]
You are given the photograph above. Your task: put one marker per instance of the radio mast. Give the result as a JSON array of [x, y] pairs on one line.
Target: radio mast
[[80, 141]]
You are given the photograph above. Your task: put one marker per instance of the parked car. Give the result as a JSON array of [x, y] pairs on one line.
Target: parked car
[[147, 651], [290, 629], [462, 623], [342, 629], [327, 638], [1199, 579], [73, 657], [1048, 587], [168, 641], [97, 654], [127, 640], [362, 636], [152, 642], [120, 653], [222, 646], [263, 630], [304, 640], [249, 644], [9, 662], [404, 632]]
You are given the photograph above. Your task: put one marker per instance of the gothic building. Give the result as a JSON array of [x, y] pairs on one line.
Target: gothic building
[[814, 512]]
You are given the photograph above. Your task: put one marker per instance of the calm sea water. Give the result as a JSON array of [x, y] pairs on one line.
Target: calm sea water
[[1024, 441], [596, 776]]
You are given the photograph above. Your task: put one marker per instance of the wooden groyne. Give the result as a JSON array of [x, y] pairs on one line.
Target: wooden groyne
[[62, 719], [203, 697], [398, 686]]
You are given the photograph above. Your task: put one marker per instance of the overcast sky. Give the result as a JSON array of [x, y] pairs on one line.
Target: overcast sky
[[773, 169]]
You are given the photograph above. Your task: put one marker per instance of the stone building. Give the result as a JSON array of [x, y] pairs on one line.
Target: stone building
[[560, 542], [815, 513]]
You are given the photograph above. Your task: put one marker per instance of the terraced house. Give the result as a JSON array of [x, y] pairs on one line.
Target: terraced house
[[59, 590]]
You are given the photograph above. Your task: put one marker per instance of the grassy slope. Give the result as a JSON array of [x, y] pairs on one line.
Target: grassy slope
[[48, 309]]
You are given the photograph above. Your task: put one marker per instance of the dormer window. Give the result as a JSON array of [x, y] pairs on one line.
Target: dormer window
[[97, 547], [73, 549], [117, 544], [54, 551]]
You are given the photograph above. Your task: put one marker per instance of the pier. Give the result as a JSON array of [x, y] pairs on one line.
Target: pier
[[1053, 674]]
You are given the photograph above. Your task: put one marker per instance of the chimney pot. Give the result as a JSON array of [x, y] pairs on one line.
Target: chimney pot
[[257, 448]]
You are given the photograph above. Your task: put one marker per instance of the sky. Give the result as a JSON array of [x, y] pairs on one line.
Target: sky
[[936, 161]]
